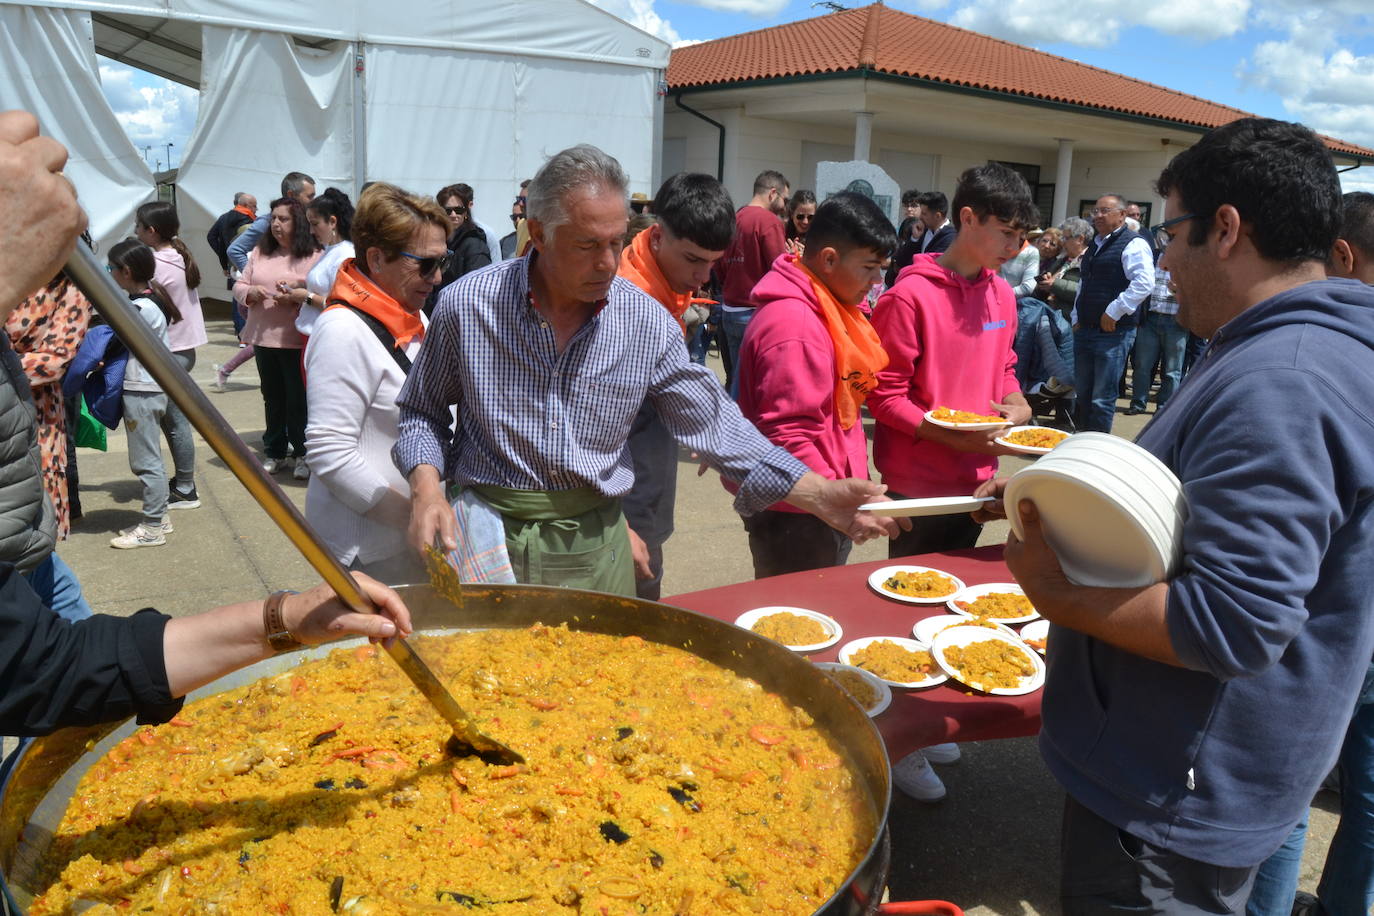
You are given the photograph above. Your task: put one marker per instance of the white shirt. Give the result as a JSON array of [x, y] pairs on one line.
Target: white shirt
[[320, 281], [930, 234], [493, 240], [1138, 261], [351, 390]]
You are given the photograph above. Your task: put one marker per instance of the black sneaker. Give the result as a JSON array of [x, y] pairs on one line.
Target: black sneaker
[[178, 500]]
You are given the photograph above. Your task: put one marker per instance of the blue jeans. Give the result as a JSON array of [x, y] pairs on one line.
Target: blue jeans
[[735, 324], [1099, 358], [56, 584], [1347, 883], [1160, 337], [696, 345]]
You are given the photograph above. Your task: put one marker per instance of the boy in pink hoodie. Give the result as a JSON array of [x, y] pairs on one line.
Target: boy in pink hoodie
[[948, 325], [809, 360]]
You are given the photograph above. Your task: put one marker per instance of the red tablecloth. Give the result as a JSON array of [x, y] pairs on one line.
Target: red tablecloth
[[916, 718]]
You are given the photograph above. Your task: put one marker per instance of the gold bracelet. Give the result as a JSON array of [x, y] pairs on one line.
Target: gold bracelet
[[278, 636]]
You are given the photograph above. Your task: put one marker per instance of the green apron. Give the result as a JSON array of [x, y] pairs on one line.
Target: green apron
[[574, 538]]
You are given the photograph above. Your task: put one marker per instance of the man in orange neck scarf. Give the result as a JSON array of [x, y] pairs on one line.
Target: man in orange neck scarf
[[670, 261], [810, 360]]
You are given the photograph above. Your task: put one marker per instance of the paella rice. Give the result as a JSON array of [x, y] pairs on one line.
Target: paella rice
[[999, 604], [1037, 437], [924, 584], [791, 629], [950, 415], [856, 686], [656, 782], [991, 664], [893, 662]]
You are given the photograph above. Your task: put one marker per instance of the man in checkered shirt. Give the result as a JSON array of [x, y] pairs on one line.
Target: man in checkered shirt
[[546, 360]]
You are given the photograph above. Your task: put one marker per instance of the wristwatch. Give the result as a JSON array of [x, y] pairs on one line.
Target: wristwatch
[[278, 636]]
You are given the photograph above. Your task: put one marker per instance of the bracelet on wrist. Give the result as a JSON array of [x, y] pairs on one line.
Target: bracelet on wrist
[[278, 636]]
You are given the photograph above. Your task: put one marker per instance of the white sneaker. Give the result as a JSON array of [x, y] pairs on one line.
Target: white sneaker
[[277, 465], [914, 775], [942, 753], [166, 527], [221, 382], [141, 536], [302, 470]]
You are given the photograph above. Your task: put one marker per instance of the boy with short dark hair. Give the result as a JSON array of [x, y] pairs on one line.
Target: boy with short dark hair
[[948, 326], [809, 361]]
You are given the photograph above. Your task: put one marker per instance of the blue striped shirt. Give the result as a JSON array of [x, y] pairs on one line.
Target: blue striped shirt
[[531, 418]]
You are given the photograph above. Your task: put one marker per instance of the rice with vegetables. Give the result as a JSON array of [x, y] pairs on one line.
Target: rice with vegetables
[[791, 629], [1037, 437], [990, 664], [924, 584], [999, 604], [950, 415], [893, 662], [656, 782], [856, 686]]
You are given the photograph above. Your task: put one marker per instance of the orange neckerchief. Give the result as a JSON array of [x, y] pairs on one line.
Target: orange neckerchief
[[352, 287], [859, 355], [639, 265], [251, 214]]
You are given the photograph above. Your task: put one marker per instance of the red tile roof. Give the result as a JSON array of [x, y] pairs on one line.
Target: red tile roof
[[884, 40]]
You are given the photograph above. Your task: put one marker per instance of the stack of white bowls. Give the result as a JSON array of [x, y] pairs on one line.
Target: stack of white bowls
[[1112, 512]]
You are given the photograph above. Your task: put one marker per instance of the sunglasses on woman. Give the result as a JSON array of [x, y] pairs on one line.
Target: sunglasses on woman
[[426, 265], [456, 211]]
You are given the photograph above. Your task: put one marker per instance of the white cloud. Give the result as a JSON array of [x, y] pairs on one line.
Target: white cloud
[[1322, 83], [151, 114], [1098, 23], [749, 7], [642, 15]]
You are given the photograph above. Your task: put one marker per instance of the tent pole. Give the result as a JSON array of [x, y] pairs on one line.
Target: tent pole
[[359, 119]]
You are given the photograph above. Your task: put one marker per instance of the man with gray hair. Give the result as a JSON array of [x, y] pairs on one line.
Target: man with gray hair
[[293, 184], [227, 227], [547, 359]]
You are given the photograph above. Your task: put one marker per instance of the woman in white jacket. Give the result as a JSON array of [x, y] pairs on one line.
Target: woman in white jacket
[[356, 361]]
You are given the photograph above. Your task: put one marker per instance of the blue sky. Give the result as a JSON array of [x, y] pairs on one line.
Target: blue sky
[[1305, 60]]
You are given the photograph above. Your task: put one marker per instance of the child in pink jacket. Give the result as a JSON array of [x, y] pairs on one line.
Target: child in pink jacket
[[948, 325], [809, 360]]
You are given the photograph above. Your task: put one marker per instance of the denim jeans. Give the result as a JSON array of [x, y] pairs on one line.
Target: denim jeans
[[1159, 338], [56, 584], [697, 344], [1099, 358], [735, 324], [180, 439], [1347, 883]]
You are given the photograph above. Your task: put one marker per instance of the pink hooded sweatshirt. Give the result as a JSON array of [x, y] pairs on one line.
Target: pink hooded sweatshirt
[[787, 379], [949, 343]]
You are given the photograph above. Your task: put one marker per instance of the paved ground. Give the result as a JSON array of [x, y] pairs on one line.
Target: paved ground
[[991, 846]]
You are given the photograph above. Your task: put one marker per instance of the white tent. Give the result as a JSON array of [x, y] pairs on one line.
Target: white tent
[[420, 93]]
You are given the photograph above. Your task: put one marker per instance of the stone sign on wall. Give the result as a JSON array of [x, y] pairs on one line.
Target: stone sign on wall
[[863, 177]]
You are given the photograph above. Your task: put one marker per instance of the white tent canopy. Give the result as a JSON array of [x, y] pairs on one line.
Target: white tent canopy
[[421, 93]]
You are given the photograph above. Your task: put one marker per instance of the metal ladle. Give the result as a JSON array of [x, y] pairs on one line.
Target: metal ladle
[[113, 303]]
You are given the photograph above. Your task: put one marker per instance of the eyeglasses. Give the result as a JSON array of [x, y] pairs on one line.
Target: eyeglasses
[[1103, 211], [456, 211], [426, 265], [1156, 230], [803, 217]]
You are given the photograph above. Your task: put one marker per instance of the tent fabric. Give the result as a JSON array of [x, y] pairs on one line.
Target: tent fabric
[[442, 90], [48, 67]]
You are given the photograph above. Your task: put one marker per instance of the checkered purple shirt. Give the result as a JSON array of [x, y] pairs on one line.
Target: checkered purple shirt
[[531, 418]]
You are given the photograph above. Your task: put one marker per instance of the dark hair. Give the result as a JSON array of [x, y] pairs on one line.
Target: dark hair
[[771, 179], [934, 200], [1280, 178], [797, 199], [637, 224], [335, 203], [911, 198], [161, 217], [697, 208], [1357, 221], [302, 244], [997, 191], [294, 183], [850, 220], [137, 258], [461, 191]]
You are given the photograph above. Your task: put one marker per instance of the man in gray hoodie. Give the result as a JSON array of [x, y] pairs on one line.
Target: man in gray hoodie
[[1191, 721]]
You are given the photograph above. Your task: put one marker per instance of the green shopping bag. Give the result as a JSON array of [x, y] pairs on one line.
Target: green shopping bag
[[90, 432]]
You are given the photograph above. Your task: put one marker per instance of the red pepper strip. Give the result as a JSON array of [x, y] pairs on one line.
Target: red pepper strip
[[360, 751]]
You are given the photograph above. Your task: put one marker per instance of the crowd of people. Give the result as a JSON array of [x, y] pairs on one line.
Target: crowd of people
[[520, 401]]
